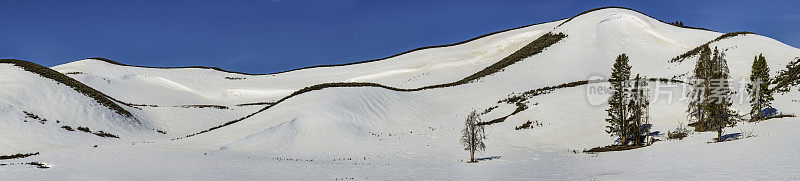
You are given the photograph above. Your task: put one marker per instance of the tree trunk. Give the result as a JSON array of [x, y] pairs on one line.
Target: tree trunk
[[719, 135], [472, 144], [699, 114], [758, 116], [622, 119], [703, 121], [758, 113], [472, 156]]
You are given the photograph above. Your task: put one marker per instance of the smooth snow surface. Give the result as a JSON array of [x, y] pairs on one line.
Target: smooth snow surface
[[375, 133]]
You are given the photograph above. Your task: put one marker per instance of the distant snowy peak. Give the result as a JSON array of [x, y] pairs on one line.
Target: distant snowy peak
[[616, 25], [617, 29]]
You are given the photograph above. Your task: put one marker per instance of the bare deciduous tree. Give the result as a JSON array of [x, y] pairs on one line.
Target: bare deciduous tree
[[473, 135]]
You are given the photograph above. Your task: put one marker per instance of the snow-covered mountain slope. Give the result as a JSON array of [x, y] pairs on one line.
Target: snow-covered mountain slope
[[41, 114], [594, 40], [386, 128], [182, 86]]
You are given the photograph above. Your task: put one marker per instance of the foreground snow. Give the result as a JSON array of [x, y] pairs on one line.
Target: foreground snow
[[766, 156]]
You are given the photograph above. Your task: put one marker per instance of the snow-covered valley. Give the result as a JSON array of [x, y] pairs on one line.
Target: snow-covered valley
[[397, 118]]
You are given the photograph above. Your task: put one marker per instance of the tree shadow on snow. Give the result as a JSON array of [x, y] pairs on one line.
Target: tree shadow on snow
[[730, 137], [487, 158]]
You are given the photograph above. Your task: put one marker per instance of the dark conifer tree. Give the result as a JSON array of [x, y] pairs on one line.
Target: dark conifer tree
[[618, 118], [638, 108], [719, 100], [787, 78], [700, 87], [758, 88]]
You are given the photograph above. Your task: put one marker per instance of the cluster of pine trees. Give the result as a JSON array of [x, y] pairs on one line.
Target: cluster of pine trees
[[677, 23], [710, 99], [628, 105]]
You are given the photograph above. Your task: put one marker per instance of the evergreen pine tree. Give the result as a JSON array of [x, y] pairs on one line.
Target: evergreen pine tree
[[700, 85], [758, 88], [617, 112], [638, 108], [719, 100], [787, 78]]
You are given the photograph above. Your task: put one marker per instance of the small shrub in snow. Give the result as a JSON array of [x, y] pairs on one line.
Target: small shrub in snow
[[34, 116], [487, 110], [529, 125], [679, 133], [98, 133], [68, 128], [613, 148], [235, 78], [38, 165], [84, 129], [30, 115], [105, 135]]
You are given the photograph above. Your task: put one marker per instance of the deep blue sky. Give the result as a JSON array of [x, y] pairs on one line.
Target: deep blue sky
[[263, 36]]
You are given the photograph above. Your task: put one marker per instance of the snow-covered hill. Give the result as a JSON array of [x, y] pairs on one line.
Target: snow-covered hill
[[42, 114], [400, 116]]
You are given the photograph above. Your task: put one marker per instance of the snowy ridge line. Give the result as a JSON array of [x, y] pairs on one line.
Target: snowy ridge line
[[520, 108], [179, 106], [528, 94], [197, 105], [84, 89], [522, 97], [134, 105], [255, 104], [18, 155], [532, 48], [321, 66], [695, 51], [302, 91], [546, 90], [626, 8], [392, 56]]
